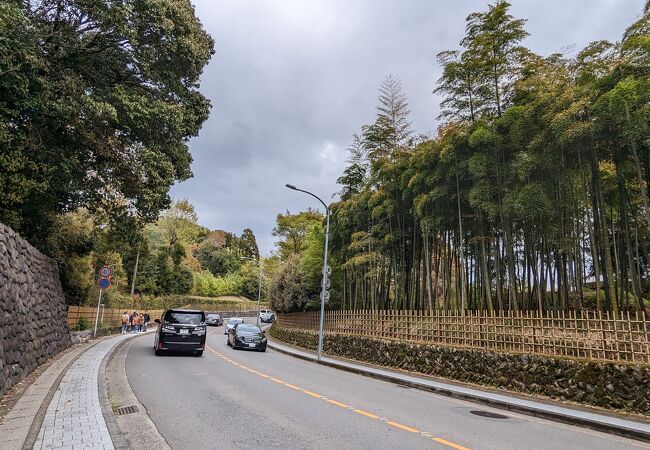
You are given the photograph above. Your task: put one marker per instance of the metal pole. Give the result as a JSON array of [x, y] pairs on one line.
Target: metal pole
[[99, 302], [135, 274], [323, 287], [325, 276], [104, 309], [259, 291]]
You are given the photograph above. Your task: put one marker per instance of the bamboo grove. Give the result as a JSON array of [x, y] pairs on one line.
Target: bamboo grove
[[534, 193]]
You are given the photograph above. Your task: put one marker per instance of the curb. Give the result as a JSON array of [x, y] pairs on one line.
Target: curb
[[625, 428], [116, 436], [119, 441]]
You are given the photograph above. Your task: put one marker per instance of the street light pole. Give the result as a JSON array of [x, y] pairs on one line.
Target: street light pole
[[259, 286], [325, 274]]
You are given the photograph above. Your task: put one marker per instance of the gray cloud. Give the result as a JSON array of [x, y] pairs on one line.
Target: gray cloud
[[292, 80]]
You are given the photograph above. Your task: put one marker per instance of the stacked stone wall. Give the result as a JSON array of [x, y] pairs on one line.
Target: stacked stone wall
[[33, 312], [615, 386]]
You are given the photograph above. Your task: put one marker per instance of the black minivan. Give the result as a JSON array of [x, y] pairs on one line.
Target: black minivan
[[181, 330]]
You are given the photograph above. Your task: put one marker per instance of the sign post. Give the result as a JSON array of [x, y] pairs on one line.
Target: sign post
[[104, 282]]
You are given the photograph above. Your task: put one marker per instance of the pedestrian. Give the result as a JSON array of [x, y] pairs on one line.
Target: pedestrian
[[140, 322], [147, 317], [134, 322], [125, 322]]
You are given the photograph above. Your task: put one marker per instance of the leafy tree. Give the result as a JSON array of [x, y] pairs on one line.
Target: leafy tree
[[219, 261], [248, 244], [98, 103], [533, 195], [287, 291], [391, 130], [293, 229]]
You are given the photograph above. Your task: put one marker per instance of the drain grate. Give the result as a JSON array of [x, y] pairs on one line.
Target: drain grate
[[489, 414], [126, 410]]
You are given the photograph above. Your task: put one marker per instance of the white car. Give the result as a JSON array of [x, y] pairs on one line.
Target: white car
[[231, 324], [267, 316]]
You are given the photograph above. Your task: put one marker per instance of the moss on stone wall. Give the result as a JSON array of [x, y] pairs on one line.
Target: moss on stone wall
[[608, 385]]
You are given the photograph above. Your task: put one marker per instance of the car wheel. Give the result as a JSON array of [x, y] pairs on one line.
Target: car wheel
[[228, 342], [158, 352], [198, 353], [263, 349]]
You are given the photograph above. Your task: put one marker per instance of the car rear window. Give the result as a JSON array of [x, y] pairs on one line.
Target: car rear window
[[246, 327], [184, 317], [213, 316], [234, 321]]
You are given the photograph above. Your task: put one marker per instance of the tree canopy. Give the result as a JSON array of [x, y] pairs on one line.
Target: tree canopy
[[534, 193], [97, 103]]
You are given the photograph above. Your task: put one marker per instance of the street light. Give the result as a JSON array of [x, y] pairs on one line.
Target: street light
[[325, 268], [259, 285]]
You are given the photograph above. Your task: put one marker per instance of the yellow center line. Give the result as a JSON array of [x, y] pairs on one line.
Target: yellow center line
[[339, 404], [334, 402], [402, 427], [450, 444], [313, 394], [365, 413]]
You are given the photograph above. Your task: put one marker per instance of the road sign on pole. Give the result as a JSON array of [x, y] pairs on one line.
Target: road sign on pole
[[104, 283], [105, 271]]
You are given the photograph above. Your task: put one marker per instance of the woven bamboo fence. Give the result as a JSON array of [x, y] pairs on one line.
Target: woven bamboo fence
[[580, 334], [113, 316], [107, 316]]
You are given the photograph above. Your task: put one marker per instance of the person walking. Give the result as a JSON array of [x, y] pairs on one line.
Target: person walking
[[147, 318], [134, 322], [125, 322], [140, 322]]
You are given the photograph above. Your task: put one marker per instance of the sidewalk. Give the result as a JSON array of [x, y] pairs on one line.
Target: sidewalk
[[547, 410], [74, 416], [66, 397]]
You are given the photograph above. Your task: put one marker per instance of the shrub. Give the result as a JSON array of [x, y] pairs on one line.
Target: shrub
[[82, 324]]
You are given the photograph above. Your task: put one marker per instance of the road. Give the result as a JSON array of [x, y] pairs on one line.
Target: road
[[242, 399]]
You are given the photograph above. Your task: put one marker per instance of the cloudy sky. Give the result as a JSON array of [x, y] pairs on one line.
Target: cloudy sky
[[292, 80]]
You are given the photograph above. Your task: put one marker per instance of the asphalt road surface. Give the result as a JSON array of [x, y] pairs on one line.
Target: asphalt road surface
[[244, 399]]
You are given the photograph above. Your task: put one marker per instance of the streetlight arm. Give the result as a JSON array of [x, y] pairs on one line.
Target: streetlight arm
[[250, 259], [309, 193]]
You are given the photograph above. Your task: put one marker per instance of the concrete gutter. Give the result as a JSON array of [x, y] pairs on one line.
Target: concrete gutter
[[601, 422]]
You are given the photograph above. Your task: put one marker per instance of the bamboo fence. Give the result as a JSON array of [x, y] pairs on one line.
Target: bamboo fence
[[113, 316], [579, 334], [107, 316]]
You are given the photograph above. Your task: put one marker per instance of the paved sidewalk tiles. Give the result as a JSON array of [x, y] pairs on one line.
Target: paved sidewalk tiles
[[16, 424], [74, 417]]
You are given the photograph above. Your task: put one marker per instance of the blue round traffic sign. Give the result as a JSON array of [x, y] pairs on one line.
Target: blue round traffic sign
[[104, 283]]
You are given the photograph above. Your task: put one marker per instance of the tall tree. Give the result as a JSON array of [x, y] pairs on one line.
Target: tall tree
[[98, 103]]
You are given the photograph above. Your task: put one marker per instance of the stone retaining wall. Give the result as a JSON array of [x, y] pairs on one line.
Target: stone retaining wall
[[33, 318], [608, 385]]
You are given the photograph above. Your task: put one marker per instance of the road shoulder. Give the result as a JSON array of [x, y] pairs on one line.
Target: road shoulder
[[136, 428]]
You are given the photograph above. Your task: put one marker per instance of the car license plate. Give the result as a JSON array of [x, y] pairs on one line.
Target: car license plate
[[183, 331], [252, 344]]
